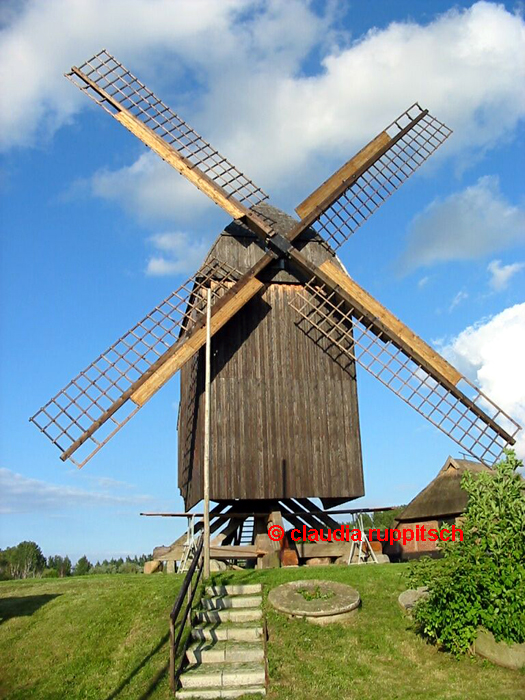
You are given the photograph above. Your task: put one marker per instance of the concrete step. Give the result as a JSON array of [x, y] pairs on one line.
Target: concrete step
[[238, 589], [207, 652], [214, 693], [231, 615], [225, 675], [245, 632], [236, 601]]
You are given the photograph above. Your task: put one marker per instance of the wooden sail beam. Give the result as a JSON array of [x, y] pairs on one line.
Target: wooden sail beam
[[171, 156], [386, 325], [345, 173], [397, 329], [247, 289]]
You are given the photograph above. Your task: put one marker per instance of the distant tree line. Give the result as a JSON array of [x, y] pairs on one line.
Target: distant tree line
[[26, 560], [380, 518]]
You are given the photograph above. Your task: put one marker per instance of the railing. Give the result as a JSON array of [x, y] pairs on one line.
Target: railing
[[179, 615]]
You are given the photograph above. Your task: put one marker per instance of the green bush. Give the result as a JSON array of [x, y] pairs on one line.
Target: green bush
[[481, 580], [49, 573]]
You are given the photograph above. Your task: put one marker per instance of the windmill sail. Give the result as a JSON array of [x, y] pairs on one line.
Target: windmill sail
[[101, 399], [465, 414], [343, 203], [105, 80]]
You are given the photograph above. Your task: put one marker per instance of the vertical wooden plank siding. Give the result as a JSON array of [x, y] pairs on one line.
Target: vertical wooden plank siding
[[285, 420]]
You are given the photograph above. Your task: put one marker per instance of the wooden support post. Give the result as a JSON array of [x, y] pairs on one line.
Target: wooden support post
[[206, 519]]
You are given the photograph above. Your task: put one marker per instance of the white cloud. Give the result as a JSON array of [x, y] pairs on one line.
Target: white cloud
[[176, 252], [423, 281], [460, 296], [469, 224], [21, 494], [151, 190], [45, 38], [254, 101], [500, 275], [490, 353]]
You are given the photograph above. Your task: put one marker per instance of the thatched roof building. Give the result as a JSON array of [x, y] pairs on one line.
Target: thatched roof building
[[443, 498], [438, 504]]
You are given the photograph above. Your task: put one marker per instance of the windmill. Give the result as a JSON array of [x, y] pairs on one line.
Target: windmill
[[288, 324]]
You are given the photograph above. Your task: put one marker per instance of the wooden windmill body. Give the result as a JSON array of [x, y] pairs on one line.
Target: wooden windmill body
[[285, 420], [288, 326]]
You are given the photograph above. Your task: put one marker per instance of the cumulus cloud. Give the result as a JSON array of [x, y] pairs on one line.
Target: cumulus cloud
[[500, 275], [150, 189], [490, 353], [44, 39], [286, 126], [176, 252], [469, 224], [21, 494]]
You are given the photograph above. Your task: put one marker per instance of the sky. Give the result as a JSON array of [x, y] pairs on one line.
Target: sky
[[95, 230]]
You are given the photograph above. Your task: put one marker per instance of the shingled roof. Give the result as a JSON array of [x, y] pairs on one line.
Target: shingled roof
[[443, 497]]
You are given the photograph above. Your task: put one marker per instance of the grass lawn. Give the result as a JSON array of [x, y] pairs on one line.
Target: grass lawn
[[105, 637], [99, 637]]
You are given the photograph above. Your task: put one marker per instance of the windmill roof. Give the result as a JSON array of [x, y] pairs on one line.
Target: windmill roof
[[241, 248], [443, 497]]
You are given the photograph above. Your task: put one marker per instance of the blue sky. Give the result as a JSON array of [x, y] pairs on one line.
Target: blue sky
[[95, 231]]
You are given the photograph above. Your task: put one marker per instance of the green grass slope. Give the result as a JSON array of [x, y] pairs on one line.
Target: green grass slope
[[105, 637], [100, 637]]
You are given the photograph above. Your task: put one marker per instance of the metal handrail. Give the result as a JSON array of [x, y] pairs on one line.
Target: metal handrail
[[179, 615]]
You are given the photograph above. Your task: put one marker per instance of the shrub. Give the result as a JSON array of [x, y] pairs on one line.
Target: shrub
[[481, 580], [49, 573]]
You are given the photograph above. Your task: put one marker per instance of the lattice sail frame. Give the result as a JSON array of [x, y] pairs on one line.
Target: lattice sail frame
[[108, 74], [415, 136], [333, 324], [103, 391], [108, 382]]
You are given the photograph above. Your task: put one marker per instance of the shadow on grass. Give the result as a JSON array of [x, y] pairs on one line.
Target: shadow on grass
[[23, 606], [156, 678]]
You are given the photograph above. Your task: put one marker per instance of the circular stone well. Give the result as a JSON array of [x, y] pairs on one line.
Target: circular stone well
[[320, 602]]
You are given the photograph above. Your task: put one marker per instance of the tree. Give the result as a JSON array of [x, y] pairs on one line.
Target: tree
[[65, 570], [26, 559], [481, 580], [83, 566], [62, 565], [379, 519], [5, 568]]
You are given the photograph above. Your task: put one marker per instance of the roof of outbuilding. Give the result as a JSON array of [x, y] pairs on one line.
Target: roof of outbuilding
[[443, 497]]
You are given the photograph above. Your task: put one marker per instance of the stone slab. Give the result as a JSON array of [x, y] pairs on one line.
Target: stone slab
[[226, 602], [152, 567], [233, 615], [214, 693], [500, 653], [245, 632], [223, 675], [211, 652], [408, 599], [239, 589]]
